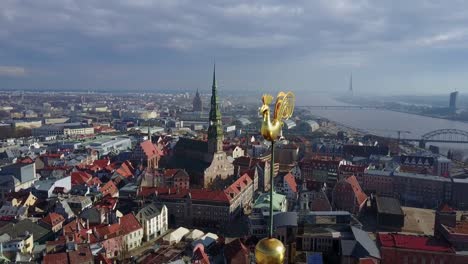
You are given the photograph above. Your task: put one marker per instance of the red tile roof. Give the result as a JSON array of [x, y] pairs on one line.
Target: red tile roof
[[112, 167], [147, 191], [108, 231], [360, 195], [424, 243], [150, 149], [445, 208], [52, 219], [291, 181], [206, 195], [102, 163], [59, 258], [60, 241], [72, 227], [52, 155], [80, 177], [126, 169], [352, 168], [107, 202], [460, 228], [199, 255], [109, 189], [81, 255], [26, 160], [239, 185], [129, 223], [101, 259], [95, 181]]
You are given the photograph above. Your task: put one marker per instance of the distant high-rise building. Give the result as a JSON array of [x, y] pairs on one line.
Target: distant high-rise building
[[453, 102], [197, 103], [351, 84]]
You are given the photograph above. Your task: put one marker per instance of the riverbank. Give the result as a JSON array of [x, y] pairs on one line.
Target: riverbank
[[338, 99]]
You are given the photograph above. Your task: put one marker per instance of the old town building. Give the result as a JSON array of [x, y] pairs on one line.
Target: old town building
[[205, 161]]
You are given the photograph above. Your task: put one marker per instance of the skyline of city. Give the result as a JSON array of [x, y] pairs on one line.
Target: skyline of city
[[191, 178], [233, 132]]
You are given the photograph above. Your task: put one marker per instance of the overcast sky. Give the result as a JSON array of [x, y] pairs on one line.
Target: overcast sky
[[394, 46]]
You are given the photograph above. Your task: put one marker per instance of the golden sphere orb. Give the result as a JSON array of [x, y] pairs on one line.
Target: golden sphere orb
[[269, 250]]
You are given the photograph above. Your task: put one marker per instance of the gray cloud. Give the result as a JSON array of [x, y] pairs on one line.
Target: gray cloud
[[12, 71], [332, 33]]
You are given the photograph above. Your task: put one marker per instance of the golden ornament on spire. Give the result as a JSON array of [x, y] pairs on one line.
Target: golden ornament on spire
[[284, 107], [270, 250]]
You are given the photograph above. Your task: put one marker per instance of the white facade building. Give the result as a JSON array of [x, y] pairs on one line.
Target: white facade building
[[75, 131], [132, 231], [67, 129], [104, 147], [154, 220], [313, 125]]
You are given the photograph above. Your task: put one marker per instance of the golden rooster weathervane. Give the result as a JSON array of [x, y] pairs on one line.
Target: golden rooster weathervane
[[284, 107], [270, 250]]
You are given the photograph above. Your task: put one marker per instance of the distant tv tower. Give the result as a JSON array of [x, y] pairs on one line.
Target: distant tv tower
[[351, 84]]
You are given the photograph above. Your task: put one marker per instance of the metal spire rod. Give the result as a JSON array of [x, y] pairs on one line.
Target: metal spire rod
[[271, 186]]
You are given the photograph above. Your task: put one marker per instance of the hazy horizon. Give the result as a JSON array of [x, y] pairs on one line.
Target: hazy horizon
[[390, 47]]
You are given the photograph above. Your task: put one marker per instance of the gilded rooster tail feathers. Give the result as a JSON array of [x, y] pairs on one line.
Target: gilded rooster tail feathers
[[284, 106]]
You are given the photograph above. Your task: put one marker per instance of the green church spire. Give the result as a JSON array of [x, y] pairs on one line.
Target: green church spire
[[215, 130]]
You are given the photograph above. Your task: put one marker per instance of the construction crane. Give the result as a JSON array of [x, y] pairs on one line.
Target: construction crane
[[399, 132]]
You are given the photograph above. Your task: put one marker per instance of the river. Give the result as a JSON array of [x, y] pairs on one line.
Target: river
[[383, 122]]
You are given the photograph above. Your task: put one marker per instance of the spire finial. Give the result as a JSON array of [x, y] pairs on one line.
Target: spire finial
[[214, 75]]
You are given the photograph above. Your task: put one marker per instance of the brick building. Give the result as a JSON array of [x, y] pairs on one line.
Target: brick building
[[448, 227], [420, 190], [459, 193], [377, 182], [289, 188], [286, 156], [347, 195], [201, 207], [321, 168], [400, 248], [147, 154], [411, 189], [346, 170], [205, 161], [261, 165]]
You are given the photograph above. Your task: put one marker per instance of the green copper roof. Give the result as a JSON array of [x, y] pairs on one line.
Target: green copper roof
[[264, 201], [215, 129]]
